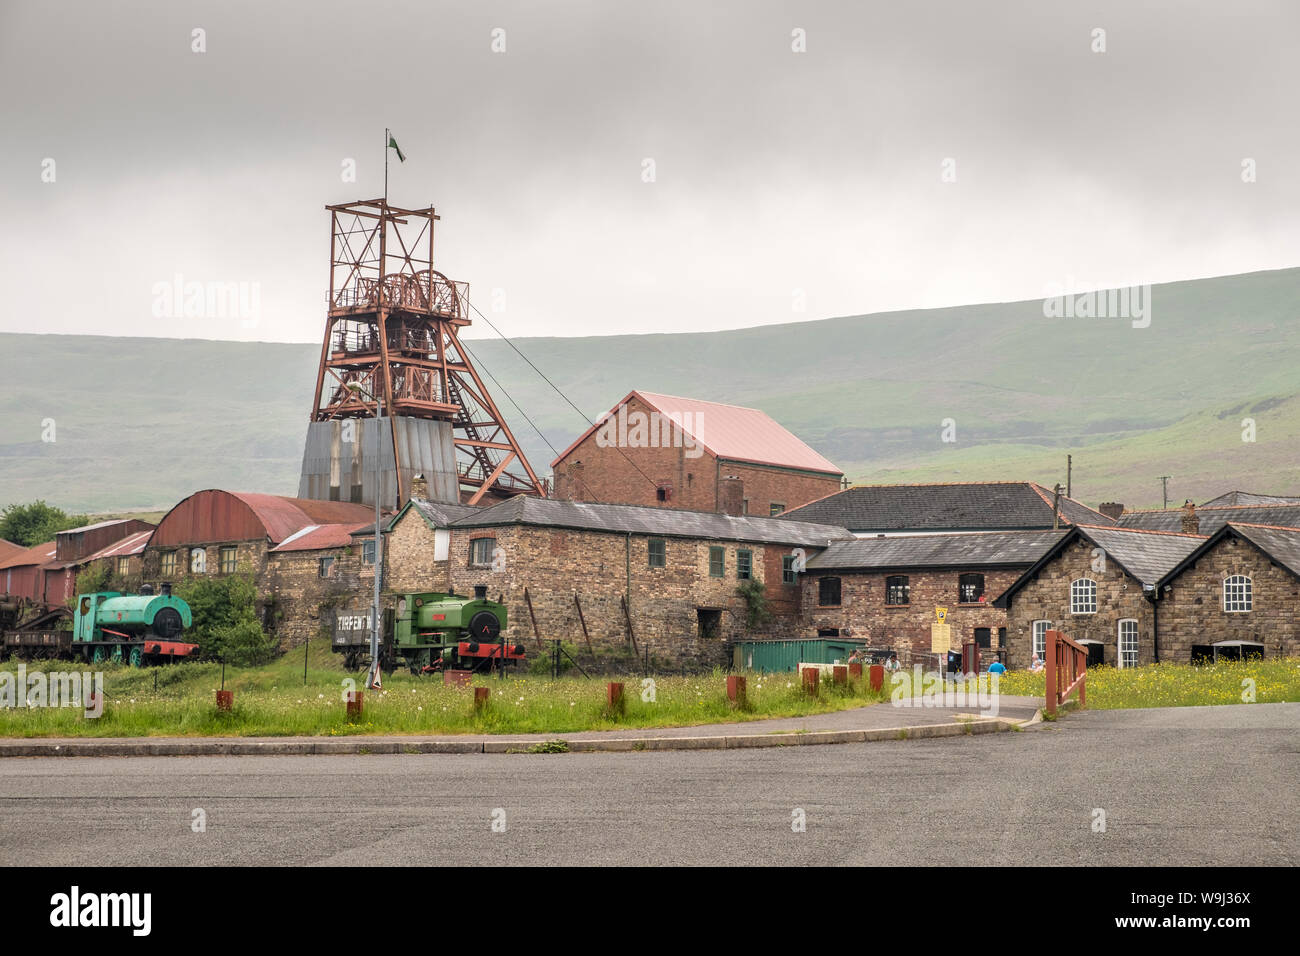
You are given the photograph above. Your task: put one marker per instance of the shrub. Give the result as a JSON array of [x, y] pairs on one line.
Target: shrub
[[225, 619], [756, 612]]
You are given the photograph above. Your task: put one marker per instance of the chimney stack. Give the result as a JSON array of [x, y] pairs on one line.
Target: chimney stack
[[1191, 523], [1111, 509], [420, 488], [731, 495]]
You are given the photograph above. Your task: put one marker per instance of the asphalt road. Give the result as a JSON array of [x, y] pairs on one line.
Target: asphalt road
[[1212, 785]]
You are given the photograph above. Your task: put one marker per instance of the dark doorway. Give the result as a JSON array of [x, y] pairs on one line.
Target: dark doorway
[[984, 637], [710, 621], [1096, 655]]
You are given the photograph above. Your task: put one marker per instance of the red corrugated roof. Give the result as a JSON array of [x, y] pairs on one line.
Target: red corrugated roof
[[8, 550], [321, 536], [132, 544], [726, 431], [39, 554], [214, 515]]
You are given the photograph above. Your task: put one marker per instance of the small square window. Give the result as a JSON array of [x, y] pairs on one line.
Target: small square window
[[744, 565], [168, 564], [658, 553], [480, 552], [897, 589], [123, 567], [229, 558], [717, 562], [368, 552], [775, 508], [325, 568]]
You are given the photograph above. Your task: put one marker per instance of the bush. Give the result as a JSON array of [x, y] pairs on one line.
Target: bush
[[36, 523], [225, 619], [756, 612], [540, 665]]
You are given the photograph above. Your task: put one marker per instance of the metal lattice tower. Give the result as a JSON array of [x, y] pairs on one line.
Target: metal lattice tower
[[392, 333]]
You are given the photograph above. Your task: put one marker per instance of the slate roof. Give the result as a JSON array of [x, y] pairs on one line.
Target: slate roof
[[986, 549], [1282, 545], [726, 431], [641, 519], [1213, 518], [1239, 498], [968, 506], [1146, 555]]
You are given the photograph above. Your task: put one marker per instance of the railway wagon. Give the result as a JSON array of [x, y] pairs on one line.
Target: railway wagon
[[109, 625]]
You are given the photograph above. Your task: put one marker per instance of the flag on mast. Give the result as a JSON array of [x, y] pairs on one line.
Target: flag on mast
[[392, 144]]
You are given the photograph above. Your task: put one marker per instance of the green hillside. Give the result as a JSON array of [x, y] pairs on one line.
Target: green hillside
[[142, 422]]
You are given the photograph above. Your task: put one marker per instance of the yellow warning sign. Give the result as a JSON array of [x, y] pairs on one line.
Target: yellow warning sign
[[940, 638], [940, 615]]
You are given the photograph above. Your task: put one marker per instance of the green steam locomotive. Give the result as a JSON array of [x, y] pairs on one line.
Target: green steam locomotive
[[107, 625], [431, 632]]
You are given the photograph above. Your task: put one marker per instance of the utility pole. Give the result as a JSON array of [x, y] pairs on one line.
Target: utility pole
[[373, 680], [1069, 471], [1164, 489]]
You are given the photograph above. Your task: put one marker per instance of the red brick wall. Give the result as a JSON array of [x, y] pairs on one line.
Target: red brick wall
[[611, 475], [865, 614]]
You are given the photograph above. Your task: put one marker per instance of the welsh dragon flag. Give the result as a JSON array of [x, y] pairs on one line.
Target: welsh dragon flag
[[392, 144]]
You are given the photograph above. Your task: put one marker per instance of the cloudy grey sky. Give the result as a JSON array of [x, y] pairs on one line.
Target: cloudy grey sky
[[775, 170]]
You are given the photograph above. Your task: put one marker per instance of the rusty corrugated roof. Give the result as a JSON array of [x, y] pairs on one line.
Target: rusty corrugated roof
[[213, 515], [317, 537], [39, 554], [8, 550], [726, 431]]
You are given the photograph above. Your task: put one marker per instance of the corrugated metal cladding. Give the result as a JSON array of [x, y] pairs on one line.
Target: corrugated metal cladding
[[788, 655], [78, 543], [211, 516], [338, 461]]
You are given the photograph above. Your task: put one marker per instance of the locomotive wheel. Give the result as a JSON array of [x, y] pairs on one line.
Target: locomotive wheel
[[117, 653], [136, 658], [98, 655]]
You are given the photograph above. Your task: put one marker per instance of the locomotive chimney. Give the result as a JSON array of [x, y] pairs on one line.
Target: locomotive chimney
[[166, 589], [480, 592], [146, 590]]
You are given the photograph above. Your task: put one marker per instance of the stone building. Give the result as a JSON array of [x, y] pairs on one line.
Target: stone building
[[1236, 595], [278, 541], [615, 578], [1097, 585], [1208, 519], [670, 452], [885, 590]]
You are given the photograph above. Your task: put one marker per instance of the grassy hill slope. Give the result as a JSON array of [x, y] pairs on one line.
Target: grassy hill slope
[[141, 422]]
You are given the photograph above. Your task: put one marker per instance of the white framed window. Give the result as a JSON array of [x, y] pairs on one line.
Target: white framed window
[[1128, 643], [1237, 593], [1040, 638], [1083, 596]]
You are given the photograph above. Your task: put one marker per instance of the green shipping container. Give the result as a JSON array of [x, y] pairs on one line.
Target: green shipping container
[[787, 655]]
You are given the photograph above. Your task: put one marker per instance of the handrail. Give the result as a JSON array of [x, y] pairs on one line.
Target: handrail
[[1066, 671]]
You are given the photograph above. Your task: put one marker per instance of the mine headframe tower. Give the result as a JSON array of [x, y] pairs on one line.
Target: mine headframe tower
[[394, 374]]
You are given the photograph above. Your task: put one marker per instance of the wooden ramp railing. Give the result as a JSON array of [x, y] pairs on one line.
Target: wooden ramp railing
[[1067, 671]]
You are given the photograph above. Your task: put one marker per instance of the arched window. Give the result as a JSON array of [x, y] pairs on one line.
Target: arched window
[[970, 588], [1040, 638], [1083, 596], [1237, 593], [897, 590]]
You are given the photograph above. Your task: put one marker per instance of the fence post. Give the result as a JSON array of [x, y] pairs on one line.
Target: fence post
[[1052, 646]]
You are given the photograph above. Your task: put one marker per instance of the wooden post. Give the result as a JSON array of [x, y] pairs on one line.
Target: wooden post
[[811, 676], [529, 601], [614, 702], [877, 676], [354, 700], [855, 671], [736, 689], [1051, 645], [225, 700], [481, 698], [583, 621], [840, 674]]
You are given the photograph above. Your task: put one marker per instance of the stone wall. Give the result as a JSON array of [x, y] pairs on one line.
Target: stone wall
[[1047, 598], [1191, 613], [305, 601]]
